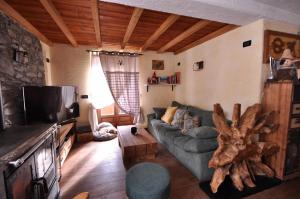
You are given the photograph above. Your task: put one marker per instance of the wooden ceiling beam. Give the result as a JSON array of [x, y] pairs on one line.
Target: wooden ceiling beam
[[199, 25], [210, 36], [161, 29], [96, 21], [137, 12], [53, 12], [8, 10]]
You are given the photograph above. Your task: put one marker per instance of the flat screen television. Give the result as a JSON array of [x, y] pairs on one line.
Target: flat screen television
[[50, 104]]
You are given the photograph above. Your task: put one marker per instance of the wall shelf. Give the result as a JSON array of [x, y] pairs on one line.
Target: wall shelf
[[160, 84]]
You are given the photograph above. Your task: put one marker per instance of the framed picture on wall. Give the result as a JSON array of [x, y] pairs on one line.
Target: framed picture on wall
[[275, 42], [158, 65]]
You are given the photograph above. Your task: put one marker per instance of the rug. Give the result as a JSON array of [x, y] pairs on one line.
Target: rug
[[228, 191]]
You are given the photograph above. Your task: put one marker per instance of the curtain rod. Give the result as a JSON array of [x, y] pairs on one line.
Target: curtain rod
[[114, 53]]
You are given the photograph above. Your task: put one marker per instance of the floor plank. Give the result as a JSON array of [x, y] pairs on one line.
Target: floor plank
[[97, 167]]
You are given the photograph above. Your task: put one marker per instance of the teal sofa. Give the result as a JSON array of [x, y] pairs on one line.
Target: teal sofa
[[193, 153]]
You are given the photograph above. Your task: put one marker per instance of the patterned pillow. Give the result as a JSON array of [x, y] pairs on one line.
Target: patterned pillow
[[178, 118], [190, 122]]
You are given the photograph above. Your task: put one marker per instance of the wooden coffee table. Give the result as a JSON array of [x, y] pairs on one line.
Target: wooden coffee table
[[136, 147]]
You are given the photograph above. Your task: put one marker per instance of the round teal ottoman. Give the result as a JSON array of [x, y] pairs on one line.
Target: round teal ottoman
[[148, 181]]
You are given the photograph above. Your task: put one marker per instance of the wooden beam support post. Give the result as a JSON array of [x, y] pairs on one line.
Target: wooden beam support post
[[8, 10], [53, 12], [162, 28], [96, 22], [137, 12], [207, 37], [185, 34]]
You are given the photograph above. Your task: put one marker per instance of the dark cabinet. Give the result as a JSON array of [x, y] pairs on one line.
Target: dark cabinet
[[19, 183], [35, 175]]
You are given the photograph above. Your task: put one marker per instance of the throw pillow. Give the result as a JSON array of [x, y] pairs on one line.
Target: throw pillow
[[178, 118], [169, 114], [159, 112], [190, 122], [203, 132]]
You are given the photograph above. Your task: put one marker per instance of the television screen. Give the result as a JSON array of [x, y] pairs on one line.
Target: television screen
[[50, 103]]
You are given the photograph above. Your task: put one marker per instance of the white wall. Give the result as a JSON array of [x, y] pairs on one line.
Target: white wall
[[158, 96], [231, 74], [70, 66], [281, 27]]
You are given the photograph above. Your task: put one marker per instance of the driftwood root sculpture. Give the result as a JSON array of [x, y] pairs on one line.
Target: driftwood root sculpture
[[239, 154]]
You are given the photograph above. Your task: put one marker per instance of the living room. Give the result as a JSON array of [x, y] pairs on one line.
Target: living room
[[212, 59]]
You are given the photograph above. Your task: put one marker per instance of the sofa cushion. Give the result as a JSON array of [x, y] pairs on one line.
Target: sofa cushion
[[193, 145], [163, 128], [169, 114], [203, 132], [190, 122], [165, 133], [181, 140], [167, 127], [178, 118], [205, 116], [155, 122], [159, 112], [200, 145]]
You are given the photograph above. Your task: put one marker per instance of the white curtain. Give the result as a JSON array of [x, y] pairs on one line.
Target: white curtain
[[100, 95], [93, 119], [123, 80]]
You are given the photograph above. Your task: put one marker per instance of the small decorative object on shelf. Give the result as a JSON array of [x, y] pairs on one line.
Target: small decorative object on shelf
[[284, 68], [273, 69], [171, 80]]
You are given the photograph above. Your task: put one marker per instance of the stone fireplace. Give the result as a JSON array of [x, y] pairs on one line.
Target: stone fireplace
[[13, 74]]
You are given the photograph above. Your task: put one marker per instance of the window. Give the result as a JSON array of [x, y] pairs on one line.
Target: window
[[114, 115], [108, 110]]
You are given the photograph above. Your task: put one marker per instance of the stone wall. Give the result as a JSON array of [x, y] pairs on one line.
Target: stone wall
[[14, 75]]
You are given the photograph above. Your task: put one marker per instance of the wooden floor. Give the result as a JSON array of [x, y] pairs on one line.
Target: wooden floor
[[97, 167]]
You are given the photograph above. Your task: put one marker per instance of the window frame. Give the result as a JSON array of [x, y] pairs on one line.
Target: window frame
[[116, 119]]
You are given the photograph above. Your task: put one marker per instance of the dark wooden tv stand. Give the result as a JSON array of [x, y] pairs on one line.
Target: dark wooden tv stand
[[64, 141]]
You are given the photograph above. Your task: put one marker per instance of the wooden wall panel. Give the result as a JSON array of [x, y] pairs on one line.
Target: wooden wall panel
[[278, 97]]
